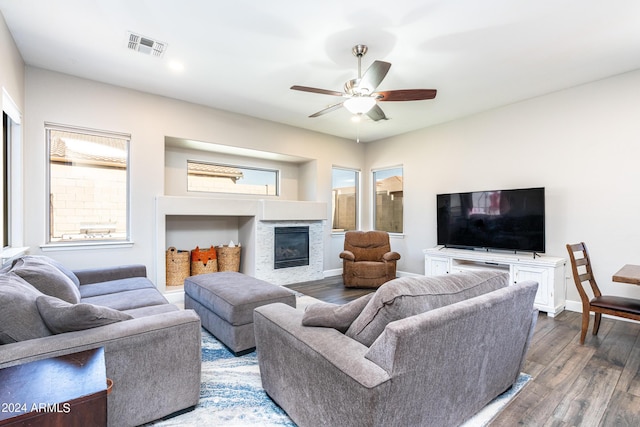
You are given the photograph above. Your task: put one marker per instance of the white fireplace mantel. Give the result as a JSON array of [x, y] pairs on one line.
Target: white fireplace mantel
[[253, 211]]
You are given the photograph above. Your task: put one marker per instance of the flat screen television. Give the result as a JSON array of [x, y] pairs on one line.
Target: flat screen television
[[500, 219]]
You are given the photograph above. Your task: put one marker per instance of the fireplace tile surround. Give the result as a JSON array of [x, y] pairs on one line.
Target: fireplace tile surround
[[256, 232]]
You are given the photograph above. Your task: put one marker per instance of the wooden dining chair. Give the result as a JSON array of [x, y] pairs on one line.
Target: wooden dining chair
[[628, 308]]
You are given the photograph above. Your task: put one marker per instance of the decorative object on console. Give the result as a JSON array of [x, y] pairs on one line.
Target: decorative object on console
[[368, 261], [628, 308]]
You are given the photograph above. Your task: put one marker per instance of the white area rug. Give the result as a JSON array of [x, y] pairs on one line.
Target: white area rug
[[231, 393]]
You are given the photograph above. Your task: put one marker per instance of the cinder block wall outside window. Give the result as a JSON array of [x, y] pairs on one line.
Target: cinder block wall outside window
[[84, 196]]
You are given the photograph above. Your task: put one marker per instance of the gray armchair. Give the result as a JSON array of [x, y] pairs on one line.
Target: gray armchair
[[437, 368]]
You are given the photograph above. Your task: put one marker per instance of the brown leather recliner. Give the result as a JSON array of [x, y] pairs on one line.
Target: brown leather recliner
[[367, 259]]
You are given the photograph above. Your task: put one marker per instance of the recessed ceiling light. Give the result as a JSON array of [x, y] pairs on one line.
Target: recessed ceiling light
[[176, 66]]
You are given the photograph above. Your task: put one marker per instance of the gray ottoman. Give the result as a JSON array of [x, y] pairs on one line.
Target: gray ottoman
[[225, 302]]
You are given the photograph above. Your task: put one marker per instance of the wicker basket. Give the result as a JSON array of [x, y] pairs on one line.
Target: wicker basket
[[203, 261], [177, 266], [228, 258]]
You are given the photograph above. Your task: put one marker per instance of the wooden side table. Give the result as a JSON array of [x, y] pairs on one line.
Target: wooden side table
[[64, 391]]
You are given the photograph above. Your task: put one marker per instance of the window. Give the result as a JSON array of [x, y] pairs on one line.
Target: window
[[88, 185], [344, 213], [388, 191], [219, 178], [6, 164]]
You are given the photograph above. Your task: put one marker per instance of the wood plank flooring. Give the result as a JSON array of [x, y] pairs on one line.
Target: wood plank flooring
[[330, 290], [595, 384]]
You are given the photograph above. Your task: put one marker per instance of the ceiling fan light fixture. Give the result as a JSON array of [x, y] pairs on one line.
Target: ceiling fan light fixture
[[359, 104]]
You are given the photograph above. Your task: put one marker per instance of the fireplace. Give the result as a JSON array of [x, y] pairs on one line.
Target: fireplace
[[291, 248]]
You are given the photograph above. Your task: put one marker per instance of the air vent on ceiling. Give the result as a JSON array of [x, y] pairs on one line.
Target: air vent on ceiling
[[146, 45]]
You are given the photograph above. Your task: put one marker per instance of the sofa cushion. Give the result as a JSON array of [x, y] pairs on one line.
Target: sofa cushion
[[61, 316], [115, 286], [47, 278], [128, 300], [408, 296], [151, 310], [335, 316], [19, 316]]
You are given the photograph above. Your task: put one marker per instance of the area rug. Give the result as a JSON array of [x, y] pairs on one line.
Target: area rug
[[231, 394]]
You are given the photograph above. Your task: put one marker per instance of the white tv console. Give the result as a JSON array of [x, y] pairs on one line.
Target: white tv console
[[548, 271]]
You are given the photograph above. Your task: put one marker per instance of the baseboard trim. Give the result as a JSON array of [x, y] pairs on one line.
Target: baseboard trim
[[331, 273], [573, 306], [407, 274]]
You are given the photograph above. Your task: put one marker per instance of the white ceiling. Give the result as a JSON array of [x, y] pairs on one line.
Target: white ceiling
[[243, 55]]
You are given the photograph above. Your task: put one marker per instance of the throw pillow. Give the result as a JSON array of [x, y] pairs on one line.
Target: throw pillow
[[19, 316], [47, 278], [60, 316], [334, 316], [64, 270], [408, 296]]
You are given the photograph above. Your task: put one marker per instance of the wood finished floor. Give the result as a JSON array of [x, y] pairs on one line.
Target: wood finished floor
[[595, 384]]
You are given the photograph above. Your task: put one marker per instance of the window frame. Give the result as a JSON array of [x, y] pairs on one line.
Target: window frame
[[6, 180], [13, 207], [277, 175], [374, 194], [357, 185], [74, 243]]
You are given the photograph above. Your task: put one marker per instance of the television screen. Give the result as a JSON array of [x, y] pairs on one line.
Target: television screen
[[502, 219]]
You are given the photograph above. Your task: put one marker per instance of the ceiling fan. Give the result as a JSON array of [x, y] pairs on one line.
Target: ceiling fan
[[360, 93]]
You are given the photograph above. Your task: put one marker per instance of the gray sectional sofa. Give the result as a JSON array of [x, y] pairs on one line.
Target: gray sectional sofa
[[152, 348], [421, 351]]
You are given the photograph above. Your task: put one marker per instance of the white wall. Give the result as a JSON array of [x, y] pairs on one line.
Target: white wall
[[11, 67], [59, 98], [581, 144]]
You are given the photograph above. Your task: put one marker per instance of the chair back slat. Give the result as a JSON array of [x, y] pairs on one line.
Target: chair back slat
[[581, 261], [584, 277]]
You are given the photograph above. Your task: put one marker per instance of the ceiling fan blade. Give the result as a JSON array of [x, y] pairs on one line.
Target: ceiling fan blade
[[406, 95], [376, 113], [316, 90], [327, 110], [373, 76]]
